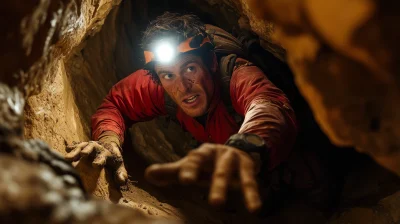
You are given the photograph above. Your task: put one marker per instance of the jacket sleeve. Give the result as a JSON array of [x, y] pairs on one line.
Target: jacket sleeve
[[266, 110], [135, 98]]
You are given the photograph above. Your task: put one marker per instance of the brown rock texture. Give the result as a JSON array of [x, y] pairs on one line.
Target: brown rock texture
[[344, 57], [39, 33], [236, 13]]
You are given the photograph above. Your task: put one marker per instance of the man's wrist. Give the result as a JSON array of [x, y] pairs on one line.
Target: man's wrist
[[111, 138], [253, 144], [247, 142]]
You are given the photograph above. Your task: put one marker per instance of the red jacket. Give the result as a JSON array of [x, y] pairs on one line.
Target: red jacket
[[265, 109]]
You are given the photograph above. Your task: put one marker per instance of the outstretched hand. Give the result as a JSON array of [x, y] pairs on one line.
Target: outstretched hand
[[225, 164], [104, 154]]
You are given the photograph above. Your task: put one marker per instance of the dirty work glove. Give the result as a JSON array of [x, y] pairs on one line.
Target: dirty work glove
[[225, 167], [106, 151]]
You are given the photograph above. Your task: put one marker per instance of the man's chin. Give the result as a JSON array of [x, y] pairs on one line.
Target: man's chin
[[195, 113]]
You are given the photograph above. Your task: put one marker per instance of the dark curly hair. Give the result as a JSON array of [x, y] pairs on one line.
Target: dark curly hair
[[171, 25]]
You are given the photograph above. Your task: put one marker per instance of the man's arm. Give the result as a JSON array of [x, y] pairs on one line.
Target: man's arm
[[135, 98], [266, 111]]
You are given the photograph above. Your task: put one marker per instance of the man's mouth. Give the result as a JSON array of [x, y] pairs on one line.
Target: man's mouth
[[191, 99]]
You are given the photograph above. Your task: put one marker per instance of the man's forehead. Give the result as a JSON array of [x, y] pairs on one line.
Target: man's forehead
[[179, 61]]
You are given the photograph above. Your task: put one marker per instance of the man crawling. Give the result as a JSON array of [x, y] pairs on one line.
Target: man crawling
[[185, 71]]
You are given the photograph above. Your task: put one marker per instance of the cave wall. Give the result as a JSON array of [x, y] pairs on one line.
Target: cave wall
[[75, 84], [345, 60], [39, 33], [60, 113], [43, 58]]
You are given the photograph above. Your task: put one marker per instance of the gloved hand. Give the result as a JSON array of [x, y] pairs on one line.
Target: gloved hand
[[106, 151]]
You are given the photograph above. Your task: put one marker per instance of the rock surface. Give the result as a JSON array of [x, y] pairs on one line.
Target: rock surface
[[345, 62]]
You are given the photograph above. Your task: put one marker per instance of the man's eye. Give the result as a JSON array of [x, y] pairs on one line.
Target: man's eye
[[168, 76], [190, 69]]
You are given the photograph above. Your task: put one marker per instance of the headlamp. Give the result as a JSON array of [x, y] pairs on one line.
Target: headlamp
[[166, 50]]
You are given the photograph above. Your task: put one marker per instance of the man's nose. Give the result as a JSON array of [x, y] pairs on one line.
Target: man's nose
[[184, 84]]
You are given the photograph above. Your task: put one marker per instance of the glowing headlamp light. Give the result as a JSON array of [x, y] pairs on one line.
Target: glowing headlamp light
[[165, 52]]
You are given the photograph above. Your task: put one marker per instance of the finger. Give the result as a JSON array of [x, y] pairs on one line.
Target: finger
[[224, 169], [192, 166], [249, 184], [121, 175], [100, 159], [163, 174], [89, 149], [73, 155], [70, 148]]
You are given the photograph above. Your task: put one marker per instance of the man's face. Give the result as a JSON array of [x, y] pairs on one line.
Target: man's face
[[188, 82]]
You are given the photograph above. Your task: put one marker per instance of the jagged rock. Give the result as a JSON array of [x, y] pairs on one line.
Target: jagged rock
[[41, 32], [345, 62]]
